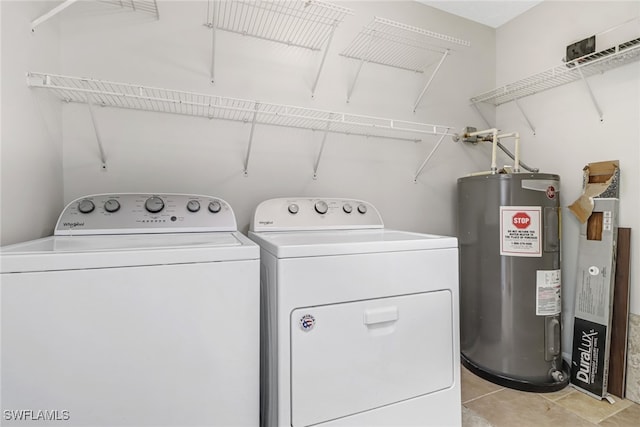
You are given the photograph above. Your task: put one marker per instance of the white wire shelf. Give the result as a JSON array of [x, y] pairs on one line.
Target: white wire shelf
[[577, 69], [122, 95], [308, 24], [145, 6], [305, 24], [136, 97], [398, 45]]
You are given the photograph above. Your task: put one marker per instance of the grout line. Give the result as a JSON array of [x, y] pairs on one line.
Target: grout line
[[554, 403], [484, 395], [585, 418], [614, 413], [545, 395]]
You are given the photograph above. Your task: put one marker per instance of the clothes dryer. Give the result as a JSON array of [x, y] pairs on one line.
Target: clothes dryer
[[141, 310], [359, 323]]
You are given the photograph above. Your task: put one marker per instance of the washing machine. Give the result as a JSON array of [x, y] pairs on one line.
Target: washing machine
[[359, 324], [140, 310]]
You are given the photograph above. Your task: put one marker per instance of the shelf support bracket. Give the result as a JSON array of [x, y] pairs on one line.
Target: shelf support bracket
[[324, 56], [253, 126], [103, 158], [593, 98], [53, 12], [475, 105], [533, 129], [362, 61], [213, 39], [324, 139], [435, 71], [419, 171]]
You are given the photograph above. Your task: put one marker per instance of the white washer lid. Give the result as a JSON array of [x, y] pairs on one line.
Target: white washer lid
[[296, 244], [105, 251]]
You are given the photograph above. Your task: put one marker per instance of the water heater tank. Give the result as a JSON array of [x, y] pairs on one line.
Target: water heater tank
[[510, 282]]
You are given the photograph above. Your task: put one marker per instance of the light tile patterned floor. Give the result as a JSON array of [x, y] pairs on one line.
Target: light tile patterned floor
[[489, 405]]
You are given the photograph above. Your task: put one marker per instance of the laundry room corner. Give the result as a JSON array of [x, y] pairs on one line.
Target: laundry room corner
[[31, 144], [572, 129]]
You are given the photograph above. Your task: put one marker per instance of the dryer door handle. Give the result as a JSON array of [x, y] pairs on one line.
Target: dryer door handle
[[381, 315]]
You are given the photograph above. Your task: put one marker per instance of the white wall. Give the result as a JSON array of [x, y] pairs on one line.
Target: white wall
[[151, 152], [569, 133], [31, 145]]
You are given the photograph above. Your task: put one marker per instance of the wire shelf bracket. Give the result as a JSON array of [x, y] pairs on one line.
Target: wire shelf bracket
[[308, 24], [146, 6], [426, 160], [253, 127], [103, 159], [577, 69], [324, 140], [122, 95], [398, 45]]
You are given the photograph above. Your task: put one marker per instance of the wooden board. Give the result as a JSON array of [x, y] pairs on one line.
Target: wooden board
[[620, 321]]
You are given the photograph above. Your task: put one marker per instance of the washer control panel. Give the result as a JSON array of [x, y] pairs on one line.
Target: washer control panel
[[145, 213], [315, 214]]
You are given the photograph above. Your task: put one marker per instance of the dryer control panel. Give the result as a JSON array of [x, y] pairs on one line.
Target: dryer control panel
[[301, 214], [145, 213]]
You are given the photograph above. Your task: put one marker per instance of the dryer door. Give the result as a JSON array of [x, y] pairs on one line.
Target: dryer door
[[352, 357]]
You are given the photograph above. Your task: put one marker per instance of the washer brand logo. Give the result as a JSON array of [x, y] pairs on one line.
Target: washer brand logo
[[265, 222], [73, 224], [307, 322]]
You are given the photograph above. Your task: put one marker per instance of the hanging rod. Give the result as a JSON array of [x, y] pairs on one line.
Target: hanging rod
[[398, 45], [146, 6]]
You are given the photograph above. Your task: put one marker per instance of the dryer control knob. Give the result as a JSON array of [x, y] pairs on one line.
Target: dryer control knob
[[193, 206], [154, 204], [321, 207], [86, 206], [293, 208], [347, 208], [112, 205], [215, 206], [362, 209]]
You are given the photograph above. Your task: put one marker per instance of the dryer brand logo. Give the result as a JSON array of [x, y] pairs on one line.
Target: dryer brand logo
[[73, 224], [307, 322], [265, 222]]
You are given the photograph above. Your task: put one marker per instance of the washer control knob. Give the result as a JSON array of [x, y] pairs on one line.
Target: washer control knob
[[112, 205], [86, 206], [362, 208], [321, 207], [293, 208], [154, 204], [193, 206], [215, 206], [347, 208]]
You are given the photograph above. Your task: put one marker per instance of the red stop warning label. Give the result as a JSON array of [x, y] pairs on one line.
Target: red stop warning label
[[521, 220], [520, 231]]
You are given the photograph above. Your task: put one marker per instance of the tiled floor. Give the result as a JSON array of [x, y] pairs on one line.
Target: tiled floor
[[485, 404]]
